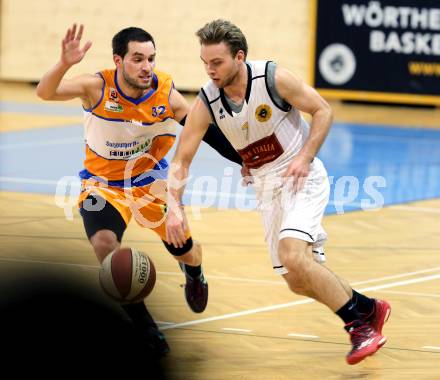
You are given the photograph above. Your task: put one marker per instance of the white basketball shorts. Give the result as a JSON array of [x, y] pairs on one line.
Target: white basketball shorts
[[286, 214]]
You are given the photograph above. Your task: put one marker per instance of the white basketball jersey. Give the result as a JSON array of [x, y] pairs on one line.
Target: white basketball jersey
[[260, 117]]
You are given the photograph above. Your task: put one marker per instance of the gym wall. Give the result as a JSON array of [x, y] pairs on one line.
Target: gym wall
[[31, 33]]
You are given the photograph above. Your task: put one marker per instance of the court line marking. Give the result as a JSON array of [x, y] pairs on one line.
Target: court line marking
[[30, 181], [261, 245], [431, 347], [65, 141], [238, 279], [320, 341], [37, 109], [416, 209], [84, 266], [295, 303], [273, 282], [239, 314], [233, 329], [395, 276], [224, 277], [303, 336], [410, 293]]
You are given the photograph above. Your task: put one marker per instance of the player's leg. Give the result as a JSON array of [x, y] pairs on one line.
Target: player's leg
[[373, 310], [190, 262], [152, 215], [301, 215], [104, 226], [308, 278], [105, 229]]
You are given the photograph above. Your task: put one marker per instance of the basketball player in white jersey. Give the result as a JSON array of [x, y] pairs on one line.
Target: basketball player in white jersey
[[257, 105]]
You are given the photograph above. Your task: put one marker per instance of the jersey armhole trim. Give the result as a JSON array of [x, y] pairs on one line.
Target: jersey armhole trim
[[100, 99], [208, 104], [283, 107]]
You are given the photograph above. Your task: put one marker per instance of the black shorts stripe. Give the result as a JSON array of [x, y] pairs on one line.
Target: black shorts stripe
[[293, 229]]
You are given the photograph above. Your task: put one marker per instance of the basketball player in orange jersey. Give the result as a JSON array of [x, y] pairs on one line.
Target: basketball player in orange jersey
[[130, 115], [257, 106]]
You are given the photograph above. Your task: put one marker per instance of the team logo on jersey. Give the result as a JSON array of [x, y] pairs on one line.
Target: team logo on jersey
[[113, 107], [113, 95], [221, 112], [263, 113]]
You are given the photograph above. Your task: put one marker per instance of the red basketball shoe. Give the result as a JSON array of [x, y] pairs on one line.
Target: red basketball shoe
[[377, 319], [365, 340]]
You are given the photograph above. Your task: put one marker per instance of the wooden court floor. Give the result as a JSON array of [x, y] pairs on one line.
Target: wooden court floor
[[254, 328]]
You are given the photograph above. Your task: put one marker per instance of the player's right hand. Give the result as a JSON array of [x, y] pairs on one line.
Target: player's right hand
[[71, 52], [176, 226]]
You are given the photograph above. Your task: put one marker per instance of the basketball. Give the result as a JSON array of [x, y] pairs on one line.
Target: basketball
[[127, 275]]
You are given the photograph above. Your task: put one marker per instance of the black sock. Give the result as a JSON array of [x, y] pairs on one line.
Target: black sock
[[349, 314], [139, 314], [364, 304], [193, 272]]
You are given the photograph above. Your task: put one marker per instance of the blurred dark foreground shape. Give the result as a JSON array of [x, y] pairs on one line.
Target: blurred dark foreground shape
[[54, 325]]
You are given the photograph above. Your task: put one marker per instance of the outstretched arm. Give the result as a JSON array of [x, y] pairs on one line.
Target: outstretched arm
[[53, 87]]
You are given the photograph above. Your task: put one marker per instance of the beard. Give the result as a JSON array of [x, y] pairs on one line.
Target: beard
[[133, 83], [228, 80]]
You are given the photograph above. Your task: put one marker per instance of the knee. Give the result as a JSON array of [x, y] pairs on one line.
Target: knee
[[292, 258], [104, 242], [295, 284], [193, 256]]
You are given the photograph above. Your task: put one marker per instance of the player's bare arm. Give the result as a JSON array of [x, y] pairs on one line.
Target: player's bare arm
[[179, 105], [306, 99], [195, 127]]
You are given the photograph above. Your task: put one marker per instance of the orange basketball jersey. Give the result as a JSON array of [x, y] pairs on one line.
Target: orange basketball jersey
[[127, 137]]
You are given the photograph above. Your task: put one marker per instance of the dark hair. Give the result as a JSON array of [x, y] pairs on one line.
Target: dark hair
[[121, 39], [220, 30]]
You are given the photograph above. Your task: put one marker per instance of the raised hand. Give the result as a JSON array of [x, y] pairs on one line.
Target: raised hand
[[71, 51]]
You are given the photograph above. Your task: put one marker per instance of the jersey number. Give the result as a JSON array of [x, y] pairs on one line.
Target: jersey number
[[157, 111]]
